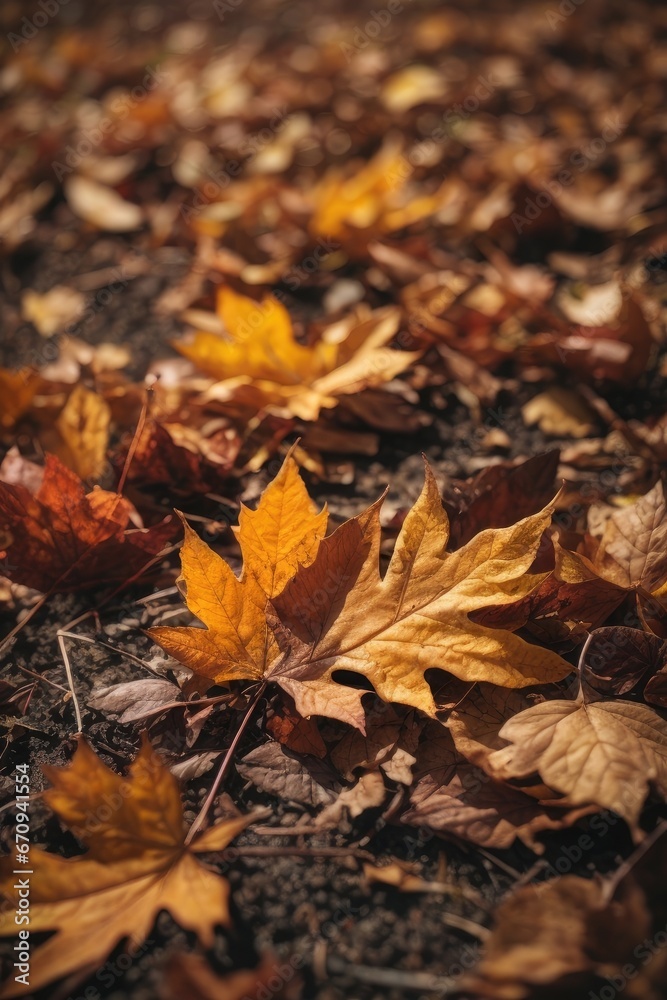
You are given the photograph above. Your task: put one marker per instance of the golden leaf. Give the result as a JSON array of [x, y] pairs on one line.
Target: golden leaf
[[330, 609], [136, 865]]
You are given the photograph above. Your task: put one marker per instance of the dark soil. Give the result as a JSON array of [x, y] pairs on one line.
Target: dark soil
[[318, 908]]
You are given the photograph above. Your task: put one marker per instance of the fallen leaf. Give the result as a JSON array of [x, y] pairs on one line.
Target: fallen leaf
[[258, 361], [181, 458], [54, 310], [17, 390], [560, 412], [320, 592], [603, 752], [83, 426], [310, 782], [632, 549], [290, 729], [412, 85], [420, 611], [455, 797], [476, 722], [377, 198], [559, 934], [623, 661], [368, 792], [275, 539], [65, 539], [136, 865], [500, 495], [389, 741], [134, 699], [101, 206]]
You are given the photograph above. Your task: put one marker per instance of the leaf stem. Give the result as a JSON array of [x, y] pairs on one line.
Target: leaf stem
[[134, 444], [224, 767], [70, 680]]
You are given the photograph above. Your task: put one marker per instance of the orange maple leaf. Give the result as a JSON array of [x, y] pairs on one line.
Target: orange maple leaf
[[306, 608]]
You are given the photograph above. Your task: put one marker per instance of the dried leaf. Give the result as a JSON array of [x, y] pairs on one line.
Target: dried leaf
[[419, 616], [456, 797], [135, 866], [134, 699], [83, 426], [603, 752], [101, 206], [546, 934], [53, 311], [260, 362], [65, 539], [624, 661], [312, 783]]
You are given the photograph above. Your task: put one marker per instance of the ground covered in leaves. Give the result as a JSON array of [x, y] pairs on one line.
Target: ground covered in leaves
[[261, 261]]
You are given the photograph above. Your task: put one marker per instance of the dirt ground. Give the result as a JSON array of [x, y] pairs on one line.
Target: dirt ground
[[350, 939]]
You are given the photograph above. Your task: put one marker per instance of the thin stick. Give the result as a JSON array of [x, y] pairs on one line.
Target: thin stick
[[226, 761], [612, 883], [134, 444], [70, 681], [39, 677], [410, 981], [166, 592], [24, 621], [198, 702], [116, 649], [262, 851]]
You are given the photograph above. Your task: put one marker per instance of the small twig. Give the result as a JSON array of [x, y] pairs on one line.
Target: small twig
[[134, 444], [197, 702], [24, 621], [262, 851], [611, 884], [224, 766], [40, 677], [413, 982], [500, 864], [166, 592], [107, 645], [70, 680], [32, 797]]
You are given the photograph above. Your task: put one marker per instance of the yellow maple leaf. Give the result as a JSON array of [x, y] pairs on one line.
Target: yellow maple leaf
[[374, 201], [282, 534], [136, 865], [332, 610], [260, 363]]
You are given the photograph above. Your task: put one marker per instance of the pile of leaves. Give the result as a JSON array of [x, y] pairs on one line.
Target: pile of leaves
[[361, 234]]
